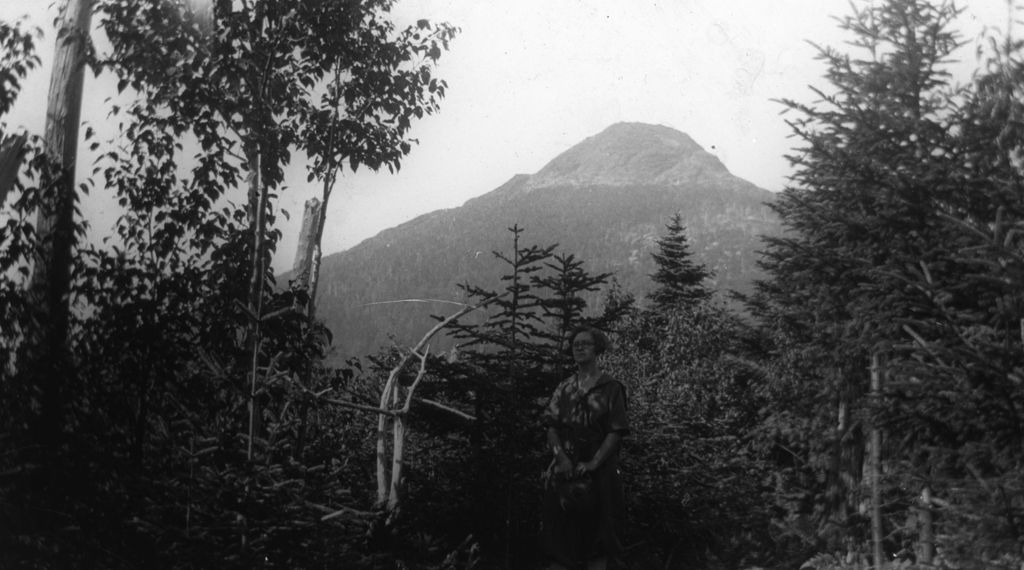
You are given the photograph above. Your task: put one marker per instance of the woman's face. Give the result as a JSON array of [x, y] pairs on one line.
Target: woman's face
[[583, 348]]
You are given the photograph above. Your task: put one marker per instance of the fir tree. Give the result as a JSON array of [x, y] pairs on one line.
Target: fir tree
[[680, 280]]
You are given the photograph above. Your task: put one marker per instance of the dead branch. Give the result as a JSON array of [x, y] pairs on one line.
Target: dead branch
[[277, 313], [390, 392], [414, 301], [445, 408], [245, 309], [419, 376], [333, 513], [361, 407]]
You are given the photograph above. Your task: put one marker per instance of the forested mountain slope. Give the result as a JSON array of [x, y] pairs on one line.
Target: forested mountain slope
[[605, 200]]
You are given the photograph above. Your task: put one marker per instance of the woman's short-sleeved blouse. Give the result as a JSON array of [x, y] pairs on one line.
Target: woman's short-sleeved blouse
[[600, 410]]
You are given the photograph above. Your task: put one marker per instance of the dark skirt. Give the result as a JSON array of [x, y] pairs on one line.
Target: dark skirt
[[578, 525]]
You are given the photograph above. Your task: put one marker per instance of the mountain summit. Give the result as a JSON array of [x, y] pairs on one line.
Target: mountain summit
[[628, 154], [606, 200]]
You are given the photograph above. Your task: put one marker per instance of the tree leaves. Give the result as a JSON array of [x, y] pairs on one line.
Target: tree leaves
[[162, 393], [17, 58]]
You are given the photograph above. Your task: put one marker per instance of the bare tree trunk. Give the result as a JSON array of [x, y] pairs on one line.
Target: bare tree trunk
[[317, 252], [927, 537], [846, 468], [840, 481], [397, 460], [389, 484], [302, 270], [257, 222], [307, 261], [835, 492], [55, 223], [876, 461], [400, 426], [330, 172], [382, 430]]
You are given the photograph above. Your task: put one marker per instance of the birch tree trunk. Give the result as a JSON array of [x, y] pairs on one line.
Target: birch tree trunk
[[55, 221]]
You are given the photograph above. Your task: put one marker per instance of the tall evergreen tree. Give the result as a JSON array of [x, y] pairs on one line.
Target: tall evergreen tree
[[680, 280], [957, 408], [861, 206]]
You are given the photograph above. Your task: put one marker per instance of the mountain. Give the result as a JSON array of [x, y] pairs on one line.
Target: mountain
[[606, 200]]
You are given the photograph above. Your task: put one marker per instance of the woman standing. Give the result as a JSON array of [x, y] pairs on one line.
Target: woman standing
[[583, 501]]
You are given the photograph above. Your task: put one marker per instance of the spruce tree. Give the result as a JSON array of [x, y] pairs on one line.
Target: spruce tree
[[680, 280], [504, 356], [964, 307], [505, 340], [861, 206], [564, 305]]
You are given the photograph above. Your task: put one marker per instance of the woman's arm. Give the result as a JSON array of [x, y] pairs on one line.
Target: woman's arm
[[562, 462], [609, 445]]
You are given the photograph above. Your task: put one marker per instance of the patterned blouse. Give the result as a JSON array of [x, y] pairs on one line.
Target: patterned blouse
[[584, 418]]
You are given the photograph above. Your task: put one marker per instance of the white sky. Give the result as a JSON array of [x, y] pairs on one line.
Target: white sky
[[530, 78]]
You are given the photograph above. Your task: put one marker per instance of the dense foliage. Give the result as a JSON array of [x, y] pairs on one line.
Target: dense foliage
[[897, 268], [188, 432], [696, 472]]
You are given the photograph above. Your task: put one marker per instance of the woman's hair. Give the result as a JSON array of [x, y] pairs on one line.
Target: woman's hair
[[600, 339]]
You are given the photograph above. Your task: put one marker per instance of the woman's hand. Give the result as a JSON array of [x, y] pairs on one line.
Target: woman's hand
[[563, 466], [585, 468]]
